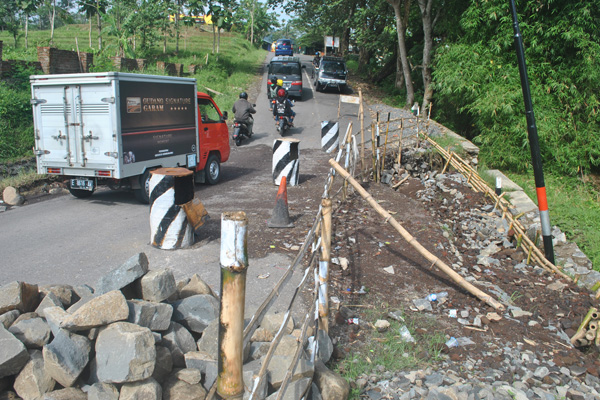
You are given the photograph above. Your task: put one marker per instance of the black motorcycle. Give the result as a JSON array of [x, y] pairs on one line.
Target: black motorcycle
[[282, 120], [240, 131]]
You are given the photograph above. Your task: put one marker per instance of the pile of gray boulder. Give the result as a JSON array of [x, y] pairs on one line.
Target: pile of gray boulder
[[138, 334]]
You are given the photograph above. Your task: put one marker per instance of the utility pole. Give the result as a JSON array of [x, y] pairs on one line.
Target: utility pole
[[534, 144]]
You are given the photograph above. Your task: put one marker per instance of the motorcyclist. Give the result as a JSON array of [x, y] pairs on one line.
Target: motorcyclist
[[272, 92], [317, 59], [280, 86], [243, 111], [283, 103]]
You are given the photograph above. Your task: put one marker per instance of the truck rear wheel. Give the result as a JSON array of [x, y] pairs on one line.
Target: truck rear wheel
[[143, 193], [212, 170]]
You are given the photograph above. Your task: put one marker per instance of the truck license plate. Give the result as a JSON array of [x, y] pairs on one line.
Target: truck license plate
[[84, 184]]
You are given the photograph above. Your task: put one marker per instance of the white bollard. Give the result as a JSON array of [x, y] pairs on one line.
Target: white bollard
[[286, 154]]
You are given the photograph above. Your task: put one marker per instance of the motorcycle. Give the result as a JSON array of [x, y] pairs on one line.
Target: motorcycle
[[282, 121], [240, 131]]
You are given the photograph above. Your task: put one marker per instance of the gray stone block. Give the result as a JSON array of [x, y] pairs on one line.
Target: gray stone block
[[294, 390], [179, 341], [125, 353], [163, 365], [158, 285], [102, 310], [54, 316], [209, 341], [148, 389], [34, 332], [64, 293], [154, 316], [103, 391], [204, 363], [118, 278], [8, 318], [195, 286], [49, 300], [66, 357], [280, 364], [330, 384], [18, 296], [13, 354], [174, 389], [287, 346], [66, 394], [272, 322], [33, 381], [196, 312]]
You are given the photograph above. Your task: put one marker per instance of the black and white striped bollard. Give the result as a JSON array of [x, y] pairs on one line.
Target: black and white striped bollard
[[169, 189], [330, 136], [286, 154]]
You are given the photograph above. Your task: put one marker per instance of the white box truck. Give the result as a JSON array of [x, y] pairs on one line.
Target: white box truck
[[113, 128]]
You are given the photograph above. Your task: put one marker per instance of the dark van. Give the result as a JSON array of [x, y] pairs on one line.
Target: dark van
[[284, 47], [332, 73], [289, 70]]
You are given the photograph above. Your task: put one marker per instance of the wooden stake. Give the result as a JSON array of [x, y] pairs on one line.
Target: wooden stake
[[234, 265], [413, 242], [400, 141], [387, 129], [347, 158], [447, 163], [373, 151], [324, 265], [362, 133], [397, 185]]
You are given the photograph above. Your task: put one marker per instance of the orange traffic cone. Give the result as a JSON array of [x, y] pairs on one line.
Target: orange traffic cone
[[281, 217]]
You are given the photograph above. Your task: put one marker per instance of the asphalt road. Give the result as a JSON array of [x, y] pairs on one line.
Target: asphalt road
[[76, 241]]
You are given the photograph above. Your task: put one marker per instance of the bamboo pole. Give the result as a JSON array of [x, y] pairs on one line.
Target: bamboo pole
[[234, 265], [387, 129], [413, 242], [447, 163], [324, 265], [580, 334], [373, 151], [362, 133], [400, 141], [347, 158]]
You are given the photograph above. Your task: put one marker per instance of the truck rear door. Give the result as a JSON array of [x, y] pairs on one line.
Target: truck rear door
[[73, 127]]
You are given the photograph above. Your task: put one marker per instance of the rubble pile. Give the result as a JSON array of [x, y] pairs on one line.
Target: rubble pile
[[138, 334]]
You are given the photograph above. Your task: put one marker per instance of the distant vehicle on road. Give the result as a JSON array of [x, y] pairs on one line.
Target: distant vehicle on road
[[284, 47], [113, 128], [332, 73], [289, 70]]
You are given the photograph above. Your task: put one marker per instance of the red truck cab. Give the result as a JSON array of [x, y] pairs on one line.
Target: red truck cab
[[213, 139]]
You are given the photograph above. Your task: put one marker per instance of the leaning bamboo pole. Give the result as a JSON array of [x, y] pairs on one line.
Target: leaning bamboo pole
[[234, 265], [581, 331], [413, 242]]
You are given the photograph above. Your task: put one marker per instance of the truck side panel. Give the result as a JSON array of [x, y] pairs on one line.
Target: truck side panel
[[157, 120]]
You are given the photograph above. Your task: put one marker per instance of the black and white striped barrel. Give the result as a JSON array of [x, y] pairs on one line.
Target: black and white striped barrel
[[330, 136], [286, 154], [169, 227]]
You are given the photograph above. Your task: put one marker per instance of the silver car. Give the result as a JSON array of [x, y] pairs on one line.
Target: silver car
[[289, 70]]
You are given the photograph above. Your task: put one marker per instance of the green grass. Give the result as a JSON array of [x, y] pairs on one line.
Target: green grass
[[389, 351], [229, 72], [574, 207]]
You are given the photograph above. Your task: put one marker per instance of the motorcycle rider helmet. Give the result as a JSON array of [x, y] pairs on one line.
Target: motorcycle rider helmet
[[279, 82], [281, 93], [317, 54], [244, 95]]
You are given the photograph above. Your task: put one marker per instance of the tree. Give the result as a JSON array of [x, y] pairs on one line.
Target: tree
[[9, 17], [402, 12], [93, 8], [28, 7]]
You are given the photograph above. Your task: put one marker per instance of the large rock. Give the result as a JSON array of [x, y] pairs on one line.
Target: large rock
[[179, 341], [103, 391], [195, 286], [65, 293], [8, 318], [154, 316], [206, 364], [125, 353], [331, 385], [118, 278], [325, 346], [34, 332], [294, 390], [279, 365], [163, 365], [196, 312], [19, 296], [157, 285], [287, 346], [49, 300], [272, 322], [13, 354], [66, 357], [209, 342], [144, 390], [54, 316], [66, 394], [12, 197], [175, 389], [33, 380], [102, 310]]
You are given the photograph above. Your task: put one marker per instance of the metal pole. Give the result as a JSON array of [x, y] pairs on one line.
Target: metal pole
[[534, 145], [324, 265], [234, 265]]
